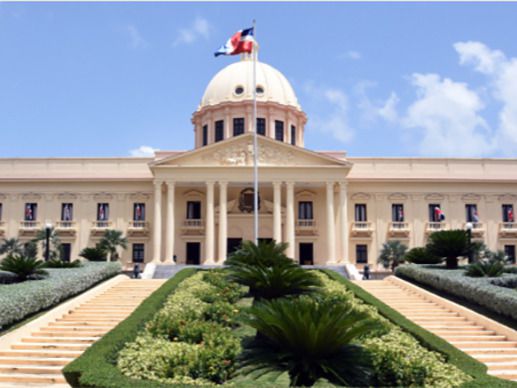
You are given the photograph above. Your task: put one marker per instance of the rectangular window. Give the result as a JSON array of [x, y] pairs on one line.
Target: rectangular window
[[434, 212], [471, 212], [238, 126], [293, 135], [279, 130], [361, 254], [31, 212], [138, 253], [261, 126], [509, 252], [360, 212], [1, 210], [397, 212], [65, 251], [305, 210], [103, 211], [219, 130], [508, 213], [139, 212], [193, 210], [67, 211], [205, 135]]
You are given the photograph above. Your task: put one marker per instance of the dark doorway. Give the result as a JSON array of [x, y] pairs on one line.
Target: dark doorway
[[306, 253], [66, 250], [233, 245], [193, 253]]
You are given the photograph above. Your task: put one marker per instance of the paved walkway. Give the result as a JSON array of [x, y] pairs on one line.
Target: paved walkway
[[36, 353], [480, 337]]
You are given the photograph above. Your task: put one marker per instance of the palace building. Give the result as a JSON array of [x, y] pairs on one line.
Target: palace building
[[197, 205]]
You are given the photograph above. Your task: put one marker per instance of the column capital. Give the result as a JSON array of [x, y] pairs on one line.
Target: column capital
[[210, 183], [289, 184], [170, 182], [158, 182], [343, 185], [223, 183], [277, 183], [330, 185]]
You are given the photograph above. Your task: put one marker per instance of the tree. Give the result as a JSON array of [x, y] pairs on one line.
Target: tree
[[449, 244], [392, 254], [111, 241], [421, 255], [93, 254], [11, 246], [22, 266], [310, 338]]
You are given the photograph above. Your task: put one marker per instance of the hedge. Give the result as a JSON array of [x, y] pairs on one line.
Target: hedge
[[492, 293], [97, 365], [19, 300], [453, 355]]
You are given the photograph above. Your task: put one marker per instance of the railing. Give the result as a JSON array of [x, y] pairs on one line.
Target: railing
[[29, 224], [435, 226], [65, 224], [306, 224], [509, 226], [193, 223], [475, 225], [138, 224], [101, 224], [362, 226], [399, 225]]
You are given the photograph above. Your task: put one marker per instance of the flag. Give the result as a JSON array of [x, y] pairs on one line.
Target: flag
[[510, 214], [438, 214], [101, 213], [28, 213], [475, 217], [401, 214], [138, 213], [240, 42]]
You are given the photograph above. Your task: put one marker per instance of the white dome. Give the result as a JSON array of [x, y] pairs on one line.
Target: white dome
[[234, 84]]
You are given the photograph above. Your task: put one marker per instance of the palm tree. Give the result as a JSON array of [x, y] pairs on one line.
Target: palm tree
[[11, 246], [55, 242], [392, 253], [22, 266], [449, 244], [111, 241], [310, 338]]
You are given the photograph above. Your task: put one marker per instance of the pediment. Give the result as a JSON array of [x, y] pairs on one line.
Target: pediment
[[238, 151]]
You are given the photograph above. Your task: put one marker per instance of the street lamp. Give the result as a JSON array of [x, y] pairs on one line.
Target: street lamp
[[469, 227], [48, 228]]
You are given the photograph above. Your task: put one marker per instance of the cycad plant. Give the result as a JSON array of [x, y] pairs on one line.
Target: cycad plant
[[23, 267], [485, 268], [111, 241], [310, 338], [93, 253], [421, 255], [449, 244], [392, 254], [266, 253], [11, 246]]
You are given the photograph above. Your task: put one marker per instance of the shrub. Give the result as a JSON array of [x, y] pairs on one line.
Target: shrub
[[449, 244], [485, 268], [422, 256], [17, 301], [267, 253], [94, 254], [23, 267], [11, 246], [55, 263], [111, 241], [481, 291], [7, 277], [310, 339], [392, 254]]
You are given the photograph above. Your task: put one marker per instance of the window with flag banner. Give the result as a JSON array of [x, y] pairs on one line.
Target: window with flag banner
[[103, 210], [397, 212], [508, 213], [472, 213], [30, 213], [139, 212], [67, 210]]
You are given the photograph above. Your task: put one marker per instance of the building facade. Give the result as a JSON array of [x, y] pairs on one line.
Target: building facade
[[197, 206]]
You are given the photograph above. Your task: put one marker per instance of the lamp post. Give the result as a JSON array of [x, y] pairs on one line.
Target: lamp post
[[469, 227], [48, 228]]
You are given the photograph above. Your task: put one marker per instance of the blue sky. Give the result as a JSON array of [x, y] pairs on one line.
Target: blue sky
[[387, 79]]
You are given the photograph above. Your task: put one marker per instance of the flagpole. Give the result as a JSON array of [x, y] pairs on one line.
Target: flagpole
[[255, 145]]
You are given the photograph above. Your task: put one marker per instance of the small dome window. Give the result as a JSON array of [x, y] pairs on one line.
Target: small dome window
[[239, 90], [260, 89]]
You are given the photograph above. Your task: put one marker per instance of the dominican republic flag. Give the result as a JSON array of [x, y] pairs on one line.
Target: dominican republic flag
[[510, 215], [240, 42], [475, 216], [438, 214], [401, 214]]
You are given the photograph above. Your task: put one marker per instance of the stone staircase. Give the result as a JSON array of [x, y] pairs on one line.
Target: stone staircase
[[38, 356], [483, 339]]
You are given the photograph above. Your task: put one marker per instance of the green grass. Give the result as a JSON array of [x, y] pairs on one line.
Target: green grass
[[427, 339]]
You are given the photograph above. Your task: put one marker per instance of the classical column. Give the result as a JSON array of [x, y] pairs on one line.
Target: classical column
[[290, 239], [209, 228], [331, 227], [343, 215], [223, 224], [277, 211], [169, 242], [157, 229]]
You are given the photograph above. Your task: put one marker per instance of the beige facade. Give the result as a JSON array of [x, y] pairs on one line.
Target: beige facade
[[195, 204]]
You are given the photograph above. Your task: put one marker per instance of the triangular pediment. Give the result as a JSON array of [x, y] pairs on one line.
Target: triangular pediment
[[238, 151]]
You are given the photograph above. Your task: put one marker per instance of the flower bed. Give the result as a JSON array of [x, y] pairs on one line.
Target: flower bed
[[20, 300], [492, 293]]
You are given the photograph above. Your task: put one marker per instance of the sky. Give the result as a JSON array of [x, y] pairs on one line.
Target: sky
[[375, 79]]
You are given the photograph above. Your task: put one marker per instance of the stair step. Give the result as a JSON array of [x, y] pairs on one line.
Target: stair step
[[480, 338], [83, 324], [489, 351], [71, 334], [57, 329], [495, 357], [27, 378], [50, 347], [30, 370], [475, 331], [33, 361], [483, 344], [502, 365], [42, 354]]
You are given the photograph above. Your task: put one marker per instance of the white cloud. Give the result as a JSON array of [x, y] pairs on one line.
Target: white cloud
[[351, 54], [143, 151], [136, 38], [371, 111], [389, 110], [502, 73], [200, 28], [446, 116]]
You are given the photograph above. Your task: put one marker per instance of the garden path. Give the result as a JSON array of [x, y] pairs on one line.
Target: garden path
[[482, 338], [37, 356]]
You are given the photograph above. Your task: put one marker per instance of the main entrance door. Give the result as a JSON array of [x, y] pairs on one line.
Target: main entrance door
[[306, 254], [193, 253], [233, 245]]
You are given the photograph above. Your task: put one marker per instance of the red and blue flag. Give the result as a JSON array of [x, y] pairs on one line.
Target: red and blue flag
[[241, 42]]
